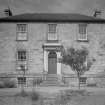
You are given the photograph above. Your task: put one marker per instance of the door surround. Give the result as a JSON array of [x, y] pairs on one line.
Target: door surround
[[47, 49]]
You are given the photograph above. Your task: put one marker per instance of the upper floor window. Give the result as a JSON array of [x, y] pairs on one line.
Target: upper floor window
[[21, 55], [21, 32], [82, 32], [52, 32], [52, 28]]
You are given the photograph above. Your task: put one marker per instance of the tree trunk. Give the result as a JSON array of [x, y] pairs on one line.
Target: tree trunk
[[78, 80], [23, 81], [79, 83]]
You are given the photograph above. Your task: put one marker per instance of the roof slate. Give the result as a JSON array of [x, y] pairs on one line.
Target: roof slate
[[51, 17]]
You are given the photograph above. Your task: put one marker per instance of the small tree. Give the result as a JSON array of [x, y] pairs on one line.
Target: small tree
[[77, 60], [24, 71]]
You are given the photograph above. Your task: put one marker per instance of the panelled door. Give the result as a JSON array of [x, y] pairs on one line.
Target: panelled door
[[52, 63]]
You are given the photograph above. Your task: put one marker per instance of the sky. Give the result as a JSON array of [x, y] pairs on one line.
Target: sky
[[54, 6]]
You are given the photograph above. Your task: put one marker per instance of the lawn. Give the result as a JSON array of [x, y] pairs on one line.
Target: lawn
[[81, 98], [59, 97]]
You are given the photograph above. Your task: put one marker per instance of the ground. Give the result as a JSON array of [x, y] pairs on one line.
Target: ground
[[54, 96]]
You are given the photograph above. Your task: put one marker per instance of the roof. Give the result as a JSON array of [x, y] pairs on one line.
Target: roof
[[51, 17]]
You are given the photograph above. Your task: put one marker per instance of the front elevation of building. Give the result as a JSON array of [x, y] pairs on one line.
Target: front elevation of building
[[34, 43]]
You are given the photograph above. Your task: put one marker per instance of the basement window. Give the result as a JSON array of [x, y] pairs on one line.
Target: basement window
[[21, 80], [83, 80]]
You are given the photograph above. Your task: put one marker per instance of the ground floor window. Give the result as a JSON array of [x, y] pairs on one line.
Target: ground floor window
[[21, 55], [21, 80]]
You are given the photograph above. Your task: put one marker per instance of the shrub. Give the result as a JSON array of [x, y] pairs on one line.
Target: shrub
[[92, 85], [1, 84], [66, 96], [62, 99], [76, 92], [7, 83], [34, 96]]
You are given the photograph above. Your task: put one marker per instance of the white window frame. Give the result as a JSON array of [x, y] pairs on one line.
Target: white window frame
[[18, 58], [83, 80], [22, 34], [82, 32], [22, 80], [52, 33], [52, 28], [20, 62]]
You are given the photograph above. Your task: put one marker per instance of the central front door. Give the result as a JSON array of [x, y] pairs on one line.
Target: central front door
[[52, 63]]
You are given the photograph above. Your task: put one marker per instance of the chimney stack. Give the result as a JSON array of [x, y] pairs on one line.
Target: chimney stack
[[8, 12], [97, 13]]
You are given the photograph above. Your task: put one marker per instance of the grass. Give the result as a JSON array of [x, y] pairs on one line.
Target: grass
[[23, 93], [27, 98], [67, 96], [34, 96], [64, 97], [80, 97]]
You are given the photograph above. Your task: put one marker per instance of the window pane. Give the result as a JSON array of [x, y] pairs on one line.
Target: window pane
[[22, 36], [21, 55], [52, 28], [52, 35], [21, 28], [82, 29]]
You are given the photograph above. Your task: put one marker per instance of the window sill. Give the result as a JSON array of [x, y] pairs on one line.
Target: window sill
[[52, 41], [21, 40], [21, 60], [79, 40]]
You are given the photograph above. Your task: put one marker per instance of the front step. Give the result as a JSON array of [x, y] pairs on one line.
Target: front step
[[52, 80], [52, 77]]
